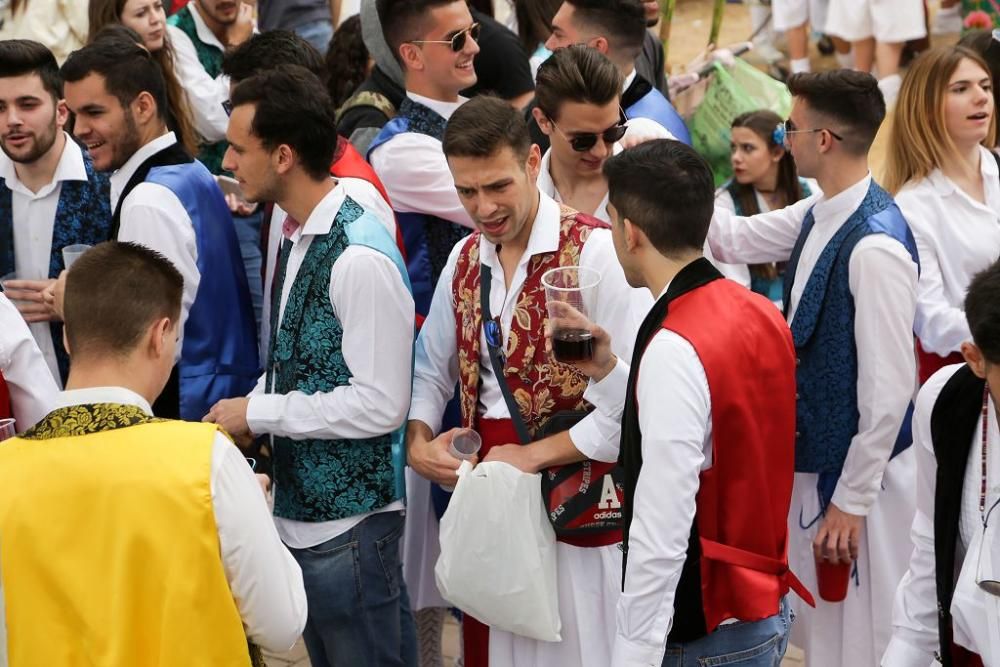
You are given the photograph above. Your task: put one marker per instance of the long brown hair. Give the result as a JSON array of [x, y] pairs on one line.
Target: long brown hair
[[919, 141], [103, 13]]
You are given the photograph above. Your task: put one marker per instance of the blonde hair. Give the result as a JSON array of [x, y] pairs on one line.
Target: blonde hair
[[918, 140]]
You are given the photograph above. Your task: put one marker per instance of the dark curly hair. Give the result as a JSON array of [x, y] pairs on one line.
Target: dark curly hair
[[346, 61]]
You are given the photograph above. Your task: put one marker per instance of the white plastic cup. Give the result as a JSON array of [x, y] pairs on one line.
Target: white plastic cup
[[71, 253], [6, 429]]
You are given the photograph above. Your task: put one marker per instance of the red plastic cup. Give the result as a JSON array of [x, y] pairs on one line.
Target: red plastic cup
[[832, 579]]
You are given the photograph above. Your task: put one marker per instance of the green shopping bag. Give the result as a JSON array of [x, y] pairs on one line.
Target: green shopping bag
[[732, 91]]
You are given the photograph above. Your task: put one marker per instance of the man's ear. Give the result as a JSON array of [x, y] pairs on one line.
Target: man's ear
[[144, 107], [62, 114], [544, 124], [632, 235], [411, 57], [159, 336], [601, 44], [974, 357]]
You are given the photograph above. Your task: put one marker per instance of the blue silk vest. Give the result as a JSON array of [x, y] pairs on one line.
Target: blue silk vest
[[655, 106]]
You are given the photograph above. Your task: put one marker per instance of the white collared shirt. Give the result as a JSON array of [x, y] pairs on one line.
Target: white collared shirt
[[205, 94], [376, 310], [32, 389], [415, 173], [153, 216], [883, 283], [547, 184], [957, 237], [617, 308], [265, 580], [34, 215]]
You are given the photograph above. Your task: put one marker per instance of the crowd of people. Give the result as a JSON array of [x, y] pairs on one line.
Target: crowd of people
[[262, 263]]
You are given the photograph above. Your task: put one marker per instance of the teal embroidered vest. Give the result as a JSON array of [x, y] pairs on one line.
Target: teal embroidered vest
[[210, 58], [323, 480]]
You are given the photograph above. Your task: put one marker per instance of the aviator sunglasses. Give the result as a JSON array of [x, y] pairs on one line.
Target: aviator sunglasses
[[583, 141], [457, 41]]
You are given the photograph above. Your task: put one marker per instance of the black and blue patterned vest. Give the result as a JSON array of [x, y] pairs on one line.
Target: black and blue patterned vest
[[823, 332], [323, 480], [427, 238], [83, 215], [210, 57]]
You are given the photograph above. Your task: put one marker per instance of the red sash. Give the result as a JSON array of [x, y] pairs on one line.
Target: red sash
[[5, 408], [962, 657], [929, 363]]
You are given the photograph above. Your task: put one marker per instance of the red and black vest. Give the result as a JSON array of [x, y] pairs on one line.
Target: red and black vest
[[737, 561], [6, 411]]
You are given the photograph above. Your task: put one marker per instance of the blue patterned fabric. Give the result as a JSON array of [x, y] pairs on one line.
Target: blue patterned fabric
[[83, 215], [655, 106], [428, 239], [323, 480], [823, 332], [219, 357]]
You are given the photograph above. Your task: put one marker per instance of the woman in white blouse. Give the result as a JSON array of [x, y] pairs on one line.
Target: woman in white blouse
[[945, 181]]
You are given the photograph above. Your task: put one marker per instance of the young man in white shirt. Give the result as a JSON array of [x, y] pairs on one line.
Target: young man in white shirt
[[521, 234], [172, 539], [50, 194], [850, 299], [164, 199], [336, 387], [27, 391], [945, 606]]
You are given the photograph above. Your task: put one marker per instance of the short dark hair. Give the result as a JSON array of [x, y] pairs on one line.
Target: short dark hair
[[621, 22], [982, 311], [404, 20], [114, 291], [128, 68], [579, 74], [267, 50], [849, 98], [674, 208], [484, 126], [293, 108], [24, 56]]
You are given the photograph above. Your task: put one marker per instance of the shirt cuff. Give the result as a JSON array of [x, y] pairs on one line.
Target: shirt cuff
[[852, 502], [627, 653], [608, 395], [264, 413], [426, 412], [901, 653]]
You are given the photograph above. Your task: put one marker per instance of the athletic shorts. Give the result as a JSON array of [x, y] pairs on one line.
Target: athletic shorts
[[888, 21], [788, 14]]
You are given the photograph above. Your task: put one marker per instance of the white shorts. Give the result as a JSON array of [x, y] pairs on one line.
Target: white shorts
[[788, 14], [888, 21]]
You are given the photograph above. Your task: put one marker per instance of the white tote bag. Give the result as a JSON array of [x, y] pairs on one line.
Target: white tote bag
[[498, 552]]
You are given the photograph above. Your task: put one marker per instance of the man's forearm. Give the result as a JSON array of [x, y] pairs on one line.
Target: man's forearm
[[555, 450]]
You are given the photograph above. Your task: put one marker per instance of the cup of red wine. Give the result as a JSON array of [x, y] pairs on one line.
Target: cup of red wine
[[568, 291]]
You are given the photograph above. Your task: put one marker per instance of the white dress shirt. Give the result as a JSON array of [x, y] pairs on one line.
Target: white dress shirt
[[153, 216], [205, 94], [32, 389], [265, 580], [415, 173], [883, 283], [369, 297], [956, 237], [616, 307], [34, 215], [915, 614]]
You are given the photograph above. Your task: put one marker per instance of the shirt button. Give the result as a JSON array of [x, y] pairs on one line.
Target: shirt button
[[798, 435]]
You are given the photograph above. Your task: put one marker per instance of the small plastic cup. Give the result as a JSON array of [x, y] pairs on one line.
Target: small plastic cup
[[832, 579], [71, 253], [6, 429], [465, 444]]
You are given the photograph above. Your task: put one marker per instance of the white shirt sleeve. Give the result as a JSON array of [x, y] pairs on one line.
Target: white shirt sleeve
[[33, 391], [376, 311], [205, 94], [914, 614], [153, 216], [429, 188], [766, 237], [675, 421], [265, 580], [883, 281]]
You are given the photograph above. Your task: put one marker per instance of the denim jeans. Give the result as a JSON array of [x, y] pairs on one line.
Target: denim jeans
[[248, 235], [318, 33], [359, 613], [757, 644]]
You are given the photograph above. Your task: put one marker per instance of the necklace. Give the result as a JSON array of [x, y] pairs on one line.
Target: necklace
[[983, 458]]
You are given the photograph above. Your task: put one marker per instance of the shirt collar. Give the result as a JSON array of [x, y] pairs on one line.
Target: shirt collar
[[120, 178], [987, 168], [544, 233], [544, 181], [120, 395], [321, 219], [628, 80], [443, 109], [70, 168], [839, 207], [204, 33]]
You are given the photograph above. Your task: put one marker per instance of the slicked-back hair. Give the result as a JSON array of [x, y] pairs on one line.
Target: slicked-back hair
[[621, 22], [405, 20], [114, 292], [267, 50], [292, 107], [483, 127], [982, 311], [579, 74], [665, 188], [24, 56], [128, 69], [849, 98]]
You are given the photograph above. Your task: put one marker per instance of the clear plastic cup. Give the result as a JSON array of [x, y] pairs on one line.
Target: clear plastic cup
[[568, 289], [71, 253], [6, 429], [465, 444]]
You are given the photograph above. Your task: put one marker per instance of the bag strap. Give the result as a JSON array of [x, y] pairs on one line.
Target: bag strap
[[485, 283]]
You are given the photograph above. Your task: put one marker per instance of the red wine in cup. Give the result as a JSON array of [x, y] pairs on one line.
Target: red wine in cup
[[573, 345]]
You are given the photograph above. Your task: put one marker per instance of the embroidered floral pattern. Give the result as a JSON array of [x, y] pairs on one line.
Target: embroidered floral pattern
[[86, 419]]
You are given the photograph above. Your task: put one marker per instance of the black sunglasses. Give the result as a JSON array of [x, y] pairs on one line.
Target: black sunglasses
[[494, 337], [457, 42], [584, 141]]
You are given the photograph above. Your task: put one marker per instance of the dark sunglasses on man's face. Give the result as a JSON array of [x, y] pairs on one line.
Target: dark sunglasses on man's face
[[584, 141], [457, 42]]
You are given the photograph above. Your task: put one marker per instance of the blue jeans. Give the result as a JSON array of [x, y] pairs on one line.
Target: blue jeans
[[318, 33], [248, 235], [359, 613], [757, 644]]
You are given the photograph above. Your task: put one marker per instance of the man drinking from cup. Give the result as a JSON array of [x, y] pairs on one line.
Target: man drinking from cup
[[499, 359]]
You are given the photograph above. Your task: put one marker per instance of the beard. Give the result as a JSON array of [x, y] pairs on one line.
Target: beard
[[38, 148], [127, 145]]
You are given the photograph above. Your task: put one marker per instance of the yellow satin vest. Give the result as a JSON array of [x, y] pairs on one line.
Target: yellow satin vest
[[109, 551]]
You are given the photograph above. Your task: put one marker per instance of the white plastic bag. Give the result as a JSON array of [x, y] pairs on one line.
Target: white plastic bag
[[498, 552]]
